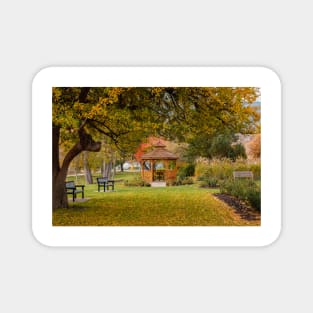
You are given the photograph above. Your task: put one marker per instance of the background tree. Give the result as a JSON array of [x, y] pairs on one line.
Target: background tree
[[87, 170], [222, 145], [128, 148], [255, 146]]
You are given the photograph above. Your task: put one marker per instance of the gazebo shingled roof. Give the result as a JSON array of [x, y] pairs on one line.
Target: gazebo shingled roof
[[159, 153]]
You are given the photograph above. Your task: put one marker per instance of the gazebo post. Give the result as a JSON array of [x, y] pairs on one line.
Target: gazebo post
[[142, 168], [166, 169], [152, 170]]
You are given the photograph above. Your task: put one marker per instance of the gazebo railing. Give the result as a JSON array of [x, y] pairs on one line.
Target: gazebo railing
[[159, 175]]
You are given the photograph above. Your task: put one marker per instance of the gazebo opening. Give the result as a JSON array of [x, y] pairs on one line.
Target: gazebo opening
[[158, 165]]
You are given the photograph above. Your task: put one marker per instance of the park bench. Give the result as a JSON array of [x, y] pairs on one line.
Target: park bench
[[72, 189], [105, 182], [243, 174]]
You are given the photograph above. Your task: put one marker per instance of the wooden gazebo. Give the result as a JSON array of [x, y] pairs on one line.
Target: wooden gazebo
[[158, 165]]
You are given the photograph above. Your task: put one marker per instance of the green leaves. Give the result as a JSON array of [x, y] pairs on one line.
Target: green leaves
[[129, 114]]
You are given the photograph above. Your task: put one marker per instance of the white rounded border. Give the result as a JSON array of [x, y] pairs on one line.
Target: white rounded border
[[261, 77]]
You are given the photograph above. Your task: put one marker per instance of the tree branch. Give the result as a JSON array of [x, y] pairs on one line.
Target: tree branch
[[83, 94]]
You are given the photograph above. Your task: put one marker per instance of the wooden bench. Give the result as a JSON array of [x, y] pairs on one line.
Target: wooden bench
[[105, 182], [71, 189], [243, 174]]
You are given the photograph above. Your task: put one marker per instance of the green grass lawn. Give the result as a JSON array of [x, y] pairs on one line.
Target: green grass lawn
[[186, 205]]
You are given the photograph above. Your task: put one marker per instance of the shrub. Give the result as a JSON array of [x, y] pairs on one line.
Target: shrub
[[177, 183], [174, 182], [209, 183], [256, 170], [222, 169], [217, 169], [190, 170], [181, 181], [187, 181], [186, 171], [212, 182], [200, 168], [254, 198], [243, 189], [171, 183], [239, 151]]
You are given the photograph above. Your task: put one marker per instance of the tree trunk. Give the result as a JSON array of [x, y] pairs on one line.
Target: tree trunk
[[103, 169], [88, 176], [59, 173], [59, 197], [86, 143], [106, 169], [113, 168], [109, 167], [122, 168], [59, 192], [55, 152]]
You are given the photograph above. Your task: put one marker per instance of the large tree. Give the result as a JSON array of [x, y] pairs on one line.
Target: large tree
[[119, 114], [81, 115]]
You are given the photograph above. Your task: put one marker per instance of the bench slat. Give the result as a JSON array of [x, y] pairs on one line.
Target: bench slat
[[105, 182], [71, 189]]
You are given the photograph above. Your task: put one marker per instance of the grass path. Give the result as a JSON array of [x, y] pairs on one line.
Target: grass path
[[144, 206]]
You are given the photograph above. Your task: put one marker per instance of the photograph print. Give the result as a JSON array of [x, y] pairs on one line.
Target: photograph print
[[156, 156]]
